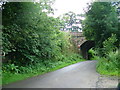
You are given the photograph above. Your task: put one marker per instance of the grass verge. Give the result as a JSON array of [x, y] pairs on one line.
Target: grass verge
[[106, 67], [109, 73]]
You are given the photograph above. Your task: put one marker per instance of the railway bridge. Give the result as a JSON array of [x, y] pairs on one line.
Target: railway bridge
[[82, 43]]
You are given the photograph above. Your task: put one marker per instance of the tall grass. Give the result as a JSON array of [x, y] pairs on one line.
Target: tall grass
[[109, 65]]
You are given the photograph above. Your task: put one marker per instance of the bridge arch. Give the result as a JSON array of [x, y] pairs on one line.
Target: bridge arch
[[82, 44], [85, 47]]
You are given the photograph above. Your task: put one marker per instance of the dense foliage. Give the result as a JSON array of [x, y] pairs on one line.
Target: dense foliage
[[102, 26], [101, 21], [32, 40], [109, 64], [26, 29]]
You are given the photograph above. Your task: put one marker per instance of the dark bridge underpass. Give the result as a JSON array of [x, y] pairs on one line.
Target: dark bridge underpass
[[83, 45]]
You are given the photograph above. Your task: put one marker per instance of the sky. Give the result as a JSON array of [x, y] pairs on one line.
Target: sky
[[64, 6]]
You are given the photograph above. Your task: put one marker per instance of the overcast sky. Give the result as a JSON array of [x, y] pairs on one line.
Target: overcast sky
[[64, 6]]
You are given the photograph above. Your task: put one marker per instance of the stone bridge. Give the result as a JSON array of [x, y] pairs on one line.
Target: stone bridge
[[82, 43]]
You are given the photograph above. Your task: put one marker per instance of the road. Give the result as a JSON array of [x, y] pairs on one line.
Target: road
[[79, 75]]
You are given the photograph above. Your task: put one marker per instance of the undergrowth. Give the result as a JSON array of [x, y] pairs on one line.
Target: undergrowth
[[109, 65], [13, 73], [108, 62]]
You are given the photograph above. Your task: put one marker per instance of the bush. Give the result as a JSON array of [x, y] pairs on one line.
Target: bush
[[92, 53], [108, 63], [109, 44]]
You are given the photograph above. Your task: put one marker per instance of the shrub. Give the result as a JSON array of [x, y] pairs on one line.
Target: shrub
[[109, 63], [109, 44]]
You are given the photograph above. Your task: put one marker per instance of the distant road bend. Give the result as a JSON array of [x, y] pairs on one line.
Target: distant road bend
[[79, 75]]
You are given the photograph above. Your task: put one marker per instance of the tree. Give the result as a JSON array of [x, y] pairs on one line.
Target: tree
[[101, 21], [71, 22], [28, 33], [117, 5]]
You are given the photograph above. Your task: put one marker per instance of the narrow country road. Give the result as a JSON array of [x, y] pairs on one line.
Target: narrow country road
[[79, 75]]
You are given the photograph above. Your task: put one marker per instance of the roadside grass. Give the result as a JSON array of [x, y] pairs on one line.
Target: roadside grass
[[8, 77], [109, 65], [104, 71], [109, 73]]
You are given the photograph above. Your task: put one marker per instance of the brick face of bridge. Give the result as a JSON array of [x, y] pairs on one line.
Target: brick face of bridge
[[81, 43], [78, 38]]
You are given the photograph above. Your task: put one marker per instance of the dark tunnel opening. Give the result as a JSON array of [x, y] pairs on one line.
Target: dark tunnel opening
[[85, 47]]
